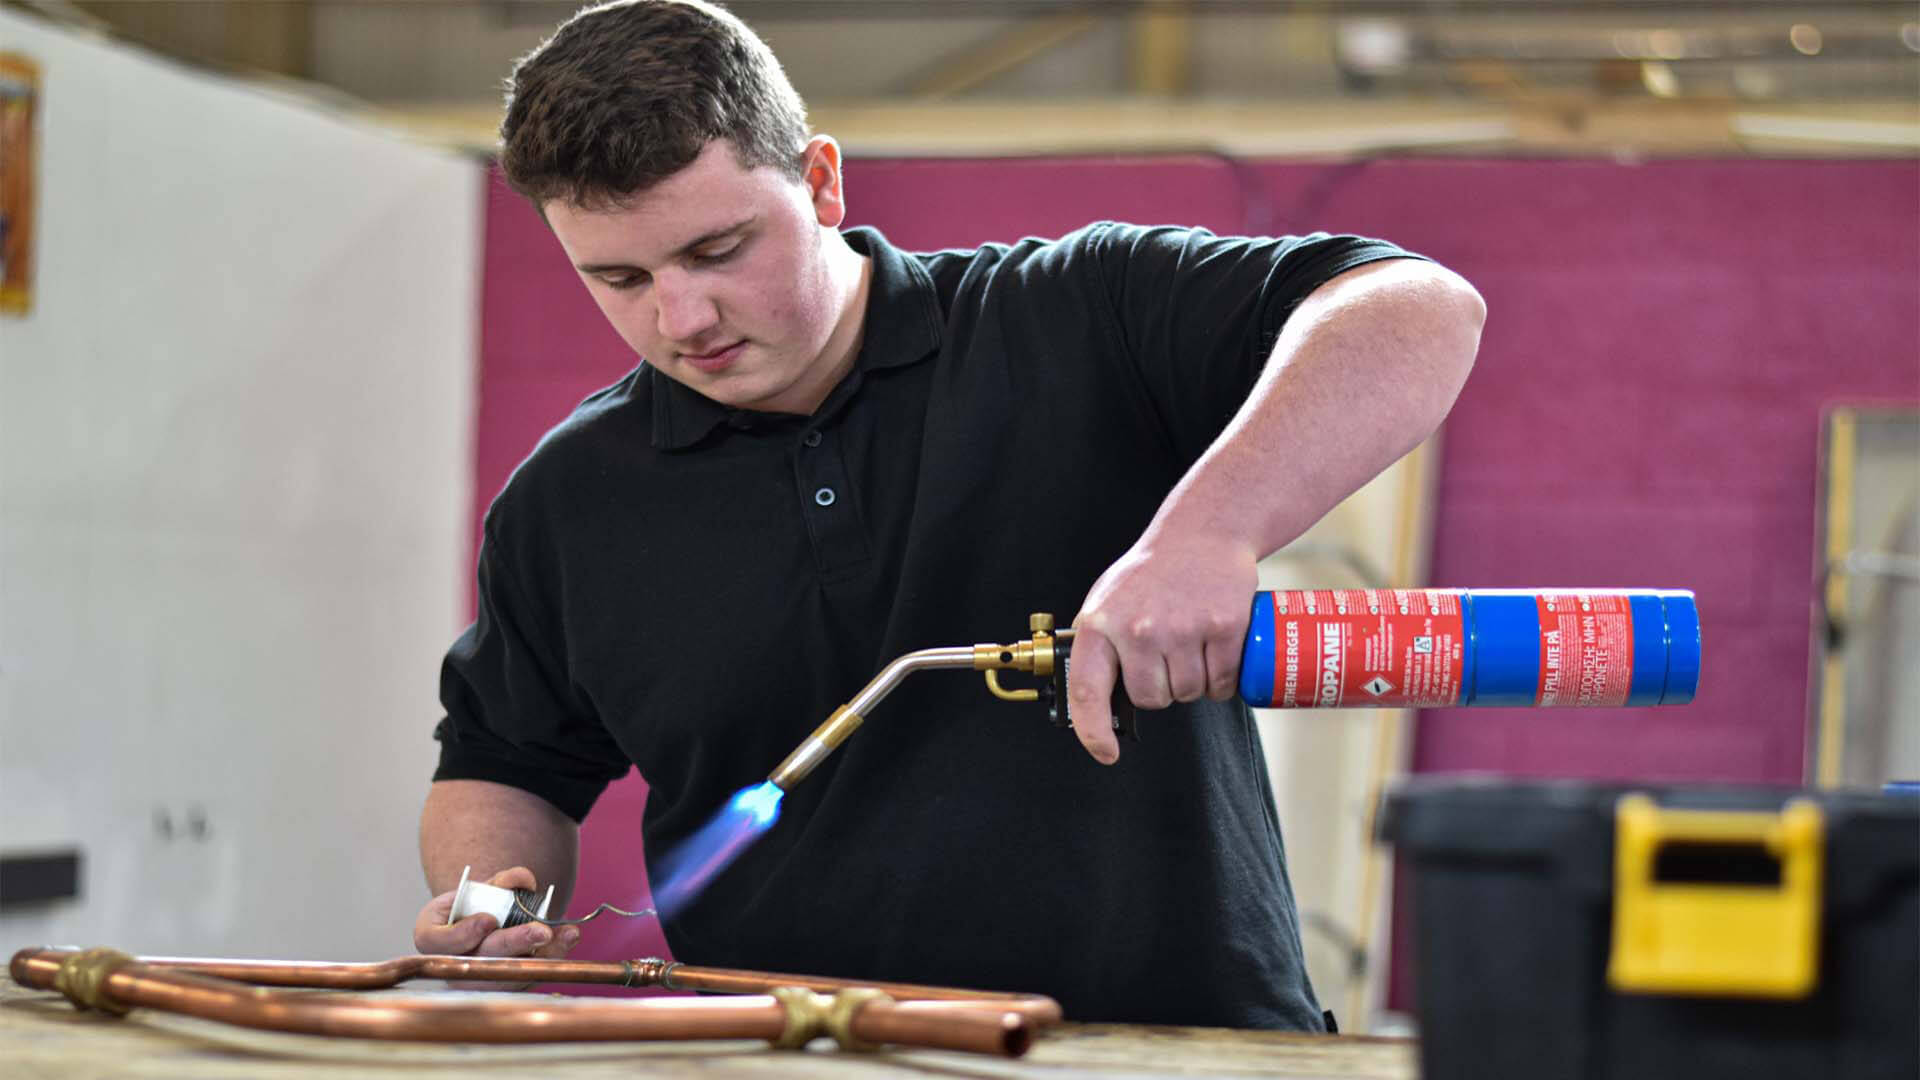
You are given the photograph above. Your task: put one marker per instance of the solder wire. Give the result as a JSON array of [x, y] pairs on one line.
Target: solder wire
[[523, 913]]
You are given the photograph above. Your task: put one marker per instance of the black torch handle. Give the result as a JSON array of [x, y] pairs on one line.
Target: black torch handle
[[1125, 718]]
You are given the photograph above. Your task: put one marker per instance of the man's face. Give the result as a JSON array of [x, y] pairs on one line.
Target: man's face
[[718, 276]]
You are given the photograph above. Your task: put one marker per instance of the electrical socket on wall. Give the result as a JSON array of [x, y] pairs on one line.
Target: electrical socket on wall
[[185, 824]]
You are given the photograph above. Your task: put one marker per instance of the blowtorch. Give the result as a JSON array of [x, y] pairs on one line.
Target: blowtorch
[[1392, 648], [1305, 648]]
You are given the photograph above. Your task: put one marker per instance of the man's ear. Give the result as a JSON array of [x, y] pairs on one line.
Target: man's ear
[[820, 165]]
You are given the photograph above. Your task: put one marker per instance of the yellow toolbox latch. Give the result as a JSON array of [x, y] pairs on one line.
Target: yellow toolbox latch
[[1716, 902]]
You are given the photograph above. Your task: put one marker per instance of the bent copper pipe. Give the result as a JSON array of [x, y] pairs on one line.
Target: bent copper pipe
[[976, 1025], [1037, 1009]]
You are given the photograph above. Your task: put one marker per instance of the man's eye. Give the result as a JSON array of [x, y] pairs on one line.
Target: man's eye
[[709, 258], [625, 282]]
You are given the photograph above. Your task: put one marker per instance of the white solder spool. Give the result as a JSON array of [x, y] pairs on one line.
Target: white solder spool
[[479, 898]]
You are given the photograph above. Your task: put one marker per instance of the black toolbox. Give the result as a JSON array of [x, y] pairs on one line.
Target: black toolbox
[[1573, 931]]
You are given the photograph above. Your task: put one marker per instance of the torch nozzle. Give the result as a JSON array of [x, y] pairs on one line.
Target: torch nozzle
[[827, 738], [686, 870], [814, 748]]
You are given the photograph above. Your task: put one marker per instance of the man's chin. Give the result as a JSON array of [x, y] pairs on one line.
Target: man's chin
[[734, 388], [728, 388]]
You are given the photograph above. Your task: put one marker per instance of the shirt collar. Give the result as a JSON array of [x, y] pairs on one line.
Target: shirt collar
[[902, 327]]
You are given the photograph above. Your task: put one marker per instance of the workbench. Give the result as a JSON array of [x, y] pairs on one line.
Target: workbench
[[42, 1036]]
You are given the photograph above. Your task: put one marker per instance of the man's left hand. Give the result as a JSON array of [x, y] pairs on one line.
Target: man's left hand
[[1168, 621]]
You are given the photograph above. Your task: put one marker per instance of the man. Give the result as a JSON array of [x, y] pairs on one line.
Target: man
[[836, 452]]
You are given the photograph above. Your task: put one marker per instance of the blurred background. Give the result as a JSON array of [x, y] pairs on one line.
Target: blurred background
[[272, 335], [1272, 76]]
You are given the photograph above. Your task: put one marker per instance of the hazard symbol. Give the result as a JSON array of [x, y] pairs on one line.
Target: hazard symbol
[[1423, 645], [1377, 686]]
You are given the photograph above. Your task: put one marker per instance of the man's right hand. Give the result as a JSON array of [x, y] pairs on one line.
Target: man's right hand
[[479, 935]]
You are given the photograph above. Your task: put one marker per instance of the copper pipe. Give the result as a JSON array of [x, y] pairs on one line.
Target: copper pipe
[[918, 1023], [980, 1026], [1037, 1009], [387, 973]]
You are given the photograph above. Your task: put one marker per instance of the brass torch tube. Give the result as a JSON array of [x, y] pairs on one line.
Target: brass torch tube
[[968, 1025], [815, 748]]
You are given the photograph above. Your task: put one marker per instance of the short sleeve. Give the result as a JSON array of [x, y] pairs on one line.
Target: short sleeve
[[1198, 314], [512, 715]]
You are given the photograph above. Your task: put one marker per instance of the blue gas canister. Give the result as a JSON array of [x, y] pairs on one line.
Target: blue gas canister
[[1429, 648]]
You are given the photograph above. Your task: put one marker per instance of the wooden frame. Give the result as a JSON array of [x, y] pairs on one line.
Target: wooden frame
[[19, 176]]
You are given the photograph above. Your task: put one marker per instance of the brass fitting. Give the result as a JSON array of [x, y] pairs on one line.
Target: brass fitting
[[846, 1005], [806, 1016], [810, 1015], [1004, 694], [814, 749], [649, 971], [1035, 656], [83, 979], [1038, 656]]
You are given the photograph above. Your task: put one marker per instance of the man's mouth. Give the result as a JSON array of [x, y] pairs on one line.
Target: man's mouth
[[717, 360]]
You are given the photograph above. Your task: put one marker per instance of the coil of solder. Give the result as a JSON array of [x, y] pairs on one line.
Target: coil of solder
[[517, 907]]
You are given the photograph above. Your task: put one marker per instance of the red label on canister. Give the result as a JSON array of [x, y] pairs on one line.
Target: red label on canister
[[1392, 647], [1586, 649]]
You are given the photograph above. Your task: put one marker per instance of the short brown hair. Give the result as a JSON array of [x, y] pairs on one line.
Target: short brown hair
[[628, 93]]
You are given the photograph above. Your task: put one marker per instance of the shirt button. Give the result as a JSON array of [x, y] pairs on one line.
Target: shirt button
[[824, 496], [812, 438]]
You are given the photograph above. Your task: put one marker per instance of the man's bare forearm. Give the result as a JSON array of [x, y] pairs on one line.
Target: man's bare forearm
[[493, 827], [1365, 369]]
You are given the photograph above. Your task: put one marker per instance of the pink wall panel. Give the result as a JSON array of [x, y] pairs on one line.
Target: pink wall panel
[[543, 344], [1661, 340], [543, 347], [1646, 411]]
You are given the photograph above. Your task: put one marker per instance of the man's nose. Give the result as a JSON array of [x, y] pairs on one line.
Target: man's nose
[[685, 309]]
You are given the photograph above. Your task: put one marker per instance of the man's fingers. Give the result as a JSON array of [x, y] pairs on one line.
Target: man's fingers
[[1145, 677], [457, 940], [431, 934], [477, 936], [1143, 664], [480, 935], [1223, 667], [519, 878], [516, 941], [564, 939], [514, 877], [1090, 694], [1187, 674], [435, 913]]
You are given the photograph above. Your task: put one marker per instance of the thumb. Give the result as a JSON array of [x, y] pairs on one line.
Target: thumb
[[1093, 667], [432, 935]]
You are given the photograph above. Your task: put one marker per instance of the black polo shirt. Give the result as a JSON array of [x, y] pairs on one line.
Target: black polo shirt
[[690, 588]]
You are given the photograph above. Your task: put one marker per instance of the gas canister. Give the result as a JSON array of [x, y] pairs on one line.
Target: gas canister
[[1432, 648]]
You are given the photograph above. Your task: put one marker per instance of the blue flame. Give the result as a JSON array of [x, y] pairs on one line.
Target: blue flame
[[687, 869]]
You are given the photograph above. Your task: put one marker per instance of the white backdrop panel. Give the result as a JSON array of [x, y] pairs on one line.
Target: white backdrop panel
[[235, 470]]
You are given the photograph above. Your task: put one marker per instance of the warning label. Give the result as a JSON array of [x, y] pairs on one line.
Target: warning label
[[1394, 647], [1586, 649]]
